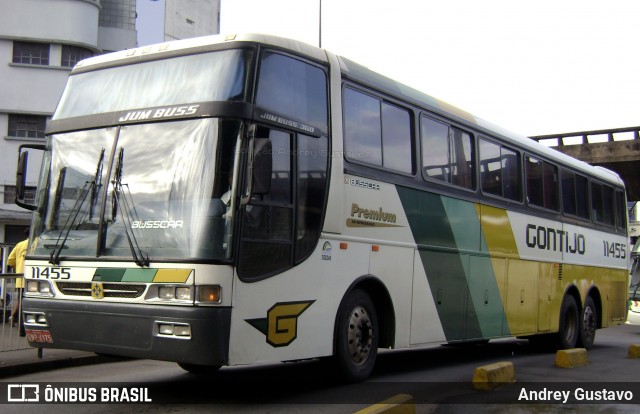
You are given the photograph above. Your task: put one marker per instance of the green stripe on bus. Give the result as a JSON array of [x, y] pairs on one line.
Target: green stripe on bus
[[106, 274], [139, 275], [484, 293], [446, 271], [462, 281]]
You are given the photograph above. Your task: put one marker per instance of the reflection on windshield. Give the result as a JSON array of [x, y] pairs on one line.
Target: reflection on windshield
[[216, 76], [67, 215], [163, 197], [75, 219]]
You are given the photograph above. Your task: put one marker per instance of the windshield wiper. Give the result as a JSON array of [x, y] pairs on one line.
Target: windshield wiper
[[127, 213], [88, 187]]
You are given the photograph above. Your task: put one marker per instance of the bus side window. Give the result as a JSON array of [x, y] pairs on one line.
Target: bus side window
[[533, 173]]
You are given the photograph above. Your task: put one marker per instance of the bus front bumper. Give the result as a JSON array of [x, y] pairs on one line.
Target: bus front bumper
[[185, 334]]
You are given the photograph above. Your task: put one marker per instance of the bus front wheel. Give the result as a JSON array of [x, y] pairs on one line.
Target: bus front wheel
[[569, 323], [356, 337]]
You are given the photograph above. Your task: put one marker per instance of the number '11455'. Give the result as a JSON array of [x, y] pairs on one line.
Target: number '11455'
[[51, 272]]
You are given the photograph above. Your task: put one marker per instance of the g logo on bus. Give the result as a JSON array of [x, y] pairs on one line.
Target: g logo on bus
[[97, 291], [281, 324]]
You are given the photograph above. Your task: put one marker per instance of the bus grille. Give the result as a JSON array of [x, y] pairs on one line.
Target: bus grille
[[111, 290]]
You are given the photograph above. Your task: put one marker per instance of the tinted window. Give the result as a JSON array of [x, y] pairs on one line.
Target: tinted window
[[447, 153], [293, 88], [597, 210], [396, 139], [267, 220], [621, 215], [542, 183], [582, 197], [282, 226], [500, 170], [362, 129], [574, 194], [461, 159], [311, 186], [435, 149], [602, 203], [376, 132]]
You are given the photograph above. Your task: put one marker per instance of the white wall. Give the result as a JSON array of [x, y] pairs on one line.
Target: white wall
[[191, 18], [58, 21], [35, 89]]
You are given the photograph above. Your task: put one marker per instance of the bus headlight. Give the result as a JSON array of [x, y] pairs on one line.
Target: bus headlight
[[39, 288], [183, 293], [210, 294], [175, 330], [170, 293], [166, 292]]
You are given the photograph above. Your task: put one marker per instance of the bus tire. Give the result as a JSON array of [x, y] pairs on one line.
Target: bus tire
[[569, 330], [199, 369], [356, 346], [588, 324]]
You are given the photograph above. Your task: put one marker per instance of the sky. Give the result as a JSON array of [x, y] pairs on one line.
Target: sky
[[531, 66]]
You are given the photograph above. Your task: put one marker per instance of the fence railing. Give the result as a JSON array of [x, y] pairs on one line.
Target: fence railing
[[11, 338], [10, 306]]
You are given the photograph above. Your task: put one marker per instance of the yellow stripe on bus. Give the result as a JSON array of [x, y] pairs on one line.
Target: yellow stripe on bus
[[172, 275], [497, 231]]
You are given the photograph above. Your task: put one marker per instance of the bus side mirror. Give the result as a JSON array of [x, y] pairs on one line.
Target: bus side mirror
[[21, 175], [262, 166]]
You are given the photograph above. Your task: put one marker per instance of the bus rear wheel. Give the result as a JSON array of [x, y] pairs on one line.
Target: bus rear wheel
[[588, 324], [569, 331], [356, 337]]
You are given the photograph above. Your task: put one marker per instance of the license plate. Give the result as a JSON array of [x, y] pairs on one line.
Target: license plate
[[39, 336]]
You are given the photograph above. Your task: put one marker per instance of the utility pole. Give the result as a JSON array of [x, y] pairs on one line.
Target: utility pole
[[320, 24]]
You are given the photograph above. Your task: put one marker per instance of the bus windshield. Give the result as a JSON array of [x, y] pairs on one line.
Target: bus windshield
[[150, 190], [214, 76]]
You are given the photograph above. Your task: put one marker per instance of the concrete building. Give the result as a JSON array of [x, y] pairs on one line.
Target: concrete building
[[40, 42], [191, 18], [166, 20]]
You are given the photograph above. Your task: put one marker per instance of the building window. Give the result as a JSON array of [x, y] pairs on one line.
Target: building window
[[27, 126], [118, 13], [74, 54], [31, 53], [10, 194]]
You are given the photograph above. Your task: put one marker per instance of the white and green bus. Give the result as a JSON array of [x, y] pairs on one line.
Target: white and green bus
[[246, 199]]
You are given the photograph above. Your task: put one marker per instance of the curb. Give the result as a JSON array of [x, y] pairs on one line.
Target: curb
[[571, 358], [634, 351], [494, 375]]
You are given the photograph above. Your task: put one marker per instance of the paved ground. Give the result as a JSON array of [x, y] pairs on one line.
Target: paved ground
[[26, 361], [17, 357]]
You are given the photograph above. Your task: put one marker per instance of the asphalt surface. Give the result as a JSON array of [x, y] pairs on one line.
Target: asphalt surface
[[26, 361]]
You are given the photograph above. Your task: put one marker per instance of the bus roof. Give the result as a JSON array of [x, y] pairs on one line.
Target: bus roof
[[356, 72]]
